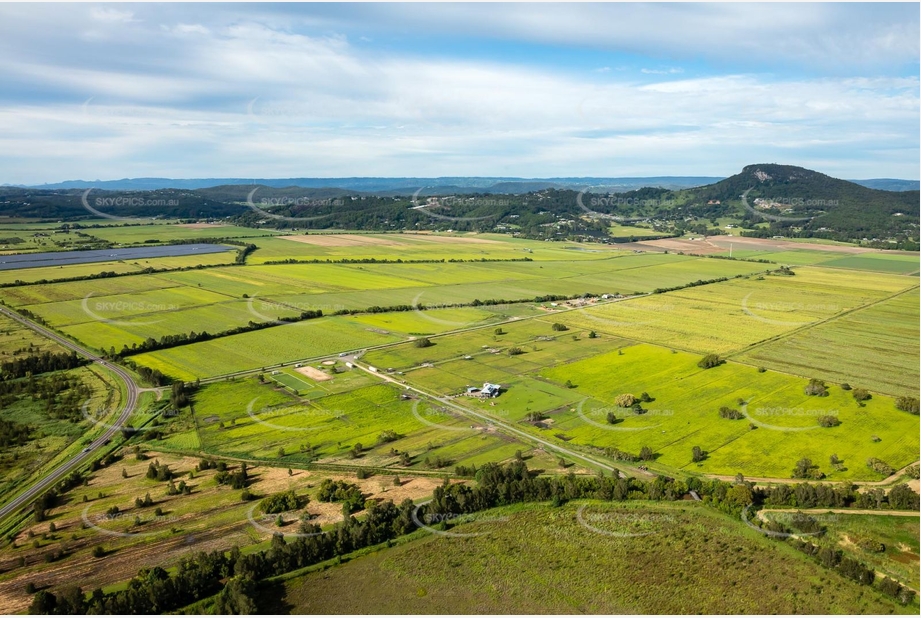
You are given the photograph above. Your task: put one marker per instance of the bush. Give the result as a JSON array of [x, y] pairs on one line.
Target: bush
[[816, 388], [388, 435], [907, 404], [731, 413], [624, 401], [423, 342], [515, 351], [560, 327], [829, 421], [805, 469], [845, 386], [98, 552], [280, 502], [709, 361], [880, 466], [861, 394]]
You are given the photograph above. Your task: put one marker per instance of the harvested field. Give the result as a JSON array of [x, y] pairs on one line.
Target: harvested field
[[456, 239], [341, 240]]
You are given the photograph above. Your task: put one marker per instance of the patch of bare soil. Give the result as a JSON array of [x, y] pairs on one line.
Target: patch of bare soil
[[314, 374]]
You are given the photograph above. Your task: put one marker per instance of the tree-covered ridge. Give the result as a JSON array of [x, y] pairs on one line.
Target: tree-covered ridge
[[793, 201]]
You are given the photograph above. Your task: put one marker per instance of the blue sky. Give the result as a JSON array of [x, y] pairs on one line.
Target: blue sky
[[105, 91]]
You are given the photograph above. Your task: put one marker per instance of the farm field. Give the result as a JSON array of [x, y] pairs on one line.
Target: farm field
[[168, 303], [166, 233], [685, 413], [875, 347], [537, 339], [245, 419], [181, 302], [50, 273], [420, 246], [536, 559], [730, 316], [262, 348], [902, 264]]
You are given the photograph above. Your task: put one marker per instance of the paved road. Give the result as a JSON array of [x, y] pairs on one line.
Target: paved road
[[65, 468]]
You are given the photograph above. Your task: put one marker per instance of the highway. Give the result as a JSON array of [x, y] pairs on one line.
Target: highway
[[132, 390]]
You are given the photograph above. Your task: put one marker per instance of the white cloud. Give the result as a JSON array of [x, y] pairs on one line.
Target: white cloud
[[177, 94]]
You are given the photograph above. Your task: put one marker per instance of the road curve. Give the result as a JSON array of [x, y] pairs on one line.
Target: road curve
[[68, 466]]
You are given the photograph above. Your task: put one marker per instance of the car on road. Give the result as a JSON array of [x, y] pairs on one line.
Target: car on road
[[86, 450]]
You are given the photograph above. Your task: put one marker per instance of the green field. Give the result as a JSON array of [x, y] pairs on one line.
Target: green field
[[875, 347], [728, 317], [889, 263], [249, 420], [685, 414], [536, 559], [262, 348], [103, 315]]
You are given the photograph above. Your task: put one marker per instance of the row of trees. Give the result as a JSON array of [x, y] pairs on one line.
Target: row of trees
[[35, 364]]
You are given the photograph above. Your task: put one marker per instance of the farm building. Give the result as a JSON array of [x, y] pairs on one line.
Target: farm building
[[488, 390]]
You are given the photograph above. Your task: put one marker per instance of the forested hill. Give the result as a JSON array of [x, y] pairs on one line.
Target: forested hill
[[837, 206]]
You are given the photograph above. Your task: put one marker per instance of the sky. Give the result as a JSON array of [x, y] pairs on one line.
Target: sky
[[110, 91]]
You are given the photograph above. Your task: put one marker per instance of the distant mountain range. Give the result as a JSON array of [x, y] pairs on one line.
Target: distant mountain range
[[396, 186], [441, 186]]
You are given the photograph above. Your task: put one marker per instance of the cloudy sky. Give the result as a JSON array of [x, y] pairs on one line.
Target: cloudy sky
[[107, 91]]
